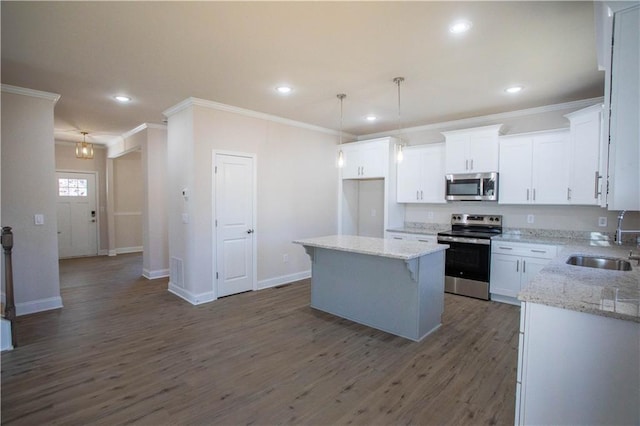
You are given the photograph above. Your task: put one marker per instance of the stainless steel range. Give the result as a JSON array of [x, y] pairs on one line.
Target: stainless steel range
[[468, 258]]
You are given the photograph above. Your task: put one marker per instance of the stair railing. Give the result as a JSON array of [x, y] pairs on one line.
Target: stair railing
[[10, 306]]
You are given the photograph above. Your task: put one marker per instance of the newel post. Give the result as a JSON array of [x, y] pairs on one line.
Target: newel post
[[10, 307]]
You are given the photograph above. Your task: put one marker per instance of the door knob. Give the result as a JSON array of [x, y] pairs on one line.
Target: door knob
[[250, 231]]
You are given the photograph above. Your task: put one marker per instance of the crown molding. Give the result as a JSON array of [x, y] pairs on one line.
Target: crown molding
[[480, 120], [189, 102], [142, 127], [53, 97]]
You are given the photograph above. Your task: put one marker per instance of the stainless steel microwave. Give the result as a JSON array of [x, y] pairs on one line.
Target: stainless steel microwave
[[472, 187]]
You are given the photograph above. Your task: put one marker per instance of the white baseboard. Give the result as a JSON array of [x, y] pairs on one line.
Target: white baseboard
[[152, 275], [103, 252], [283, 279], [125, 250], [112, 252], [40, 305], [194, 299]]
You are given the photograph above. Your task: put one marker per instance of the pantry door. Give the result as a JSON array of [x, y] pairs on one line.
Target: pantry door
[[234, 223], [76, 214]]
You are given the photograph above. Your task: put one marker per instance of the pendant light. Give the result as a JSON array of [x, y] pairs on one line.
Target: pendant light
[[341, 96], [399, 154], [84, 150]]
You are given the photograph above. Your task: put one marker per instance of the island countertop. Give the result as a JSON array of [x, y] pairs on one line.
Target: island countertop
[[395, 249]]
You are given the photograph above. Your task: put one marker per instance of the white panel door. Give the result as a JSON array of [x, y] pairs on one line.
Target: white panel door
[[409, 176], [76, 214], [515, 170], [235, 238]]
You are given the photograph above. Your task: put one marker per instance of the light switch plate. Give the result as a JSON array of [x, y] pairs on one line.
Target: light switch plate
[[602, 221], [38, 219]]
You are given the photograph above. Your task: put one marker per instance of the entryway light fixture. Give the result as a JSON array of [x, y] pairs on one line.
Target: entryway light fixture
[[399, 155], [341, 96], [84, 150]]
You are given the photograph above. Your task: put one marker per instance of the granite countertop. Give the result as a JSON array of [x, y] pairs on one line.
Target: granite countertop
[[602, 292], [395, 249]]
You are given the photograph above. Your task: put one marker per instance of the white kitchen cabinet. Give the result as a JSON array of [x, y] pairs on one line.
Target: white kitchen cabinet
[[425, 238], [367, 187], [421, 174], [364, 160], [624, 131], [586, 175], [533, 168], [576, 368], [513, 266], [472, 150]]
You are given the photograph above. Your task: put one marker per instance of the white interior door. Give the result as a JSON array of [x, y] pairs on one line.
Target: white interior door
[[77, 214], [235, 237]]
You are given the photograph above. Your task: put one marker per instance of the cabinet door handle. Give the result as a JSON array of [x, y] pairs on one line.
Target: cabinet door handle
[[505, 248], [534, 194], [417, 196], [538, 251], [466, 164], [568, 193], [362, 170], [471, 168], [527, 194], [517, 266], [524, 266], [421, 195], [595, 191]]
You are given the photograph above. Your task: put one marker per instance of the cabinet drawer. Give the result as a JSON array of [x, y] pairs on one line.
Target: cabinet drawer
[[543, 251], [426, 238]]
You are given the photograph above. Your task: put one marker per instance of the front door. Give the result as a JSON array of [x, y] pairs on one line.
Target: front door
[[234, 213], [77, 215]]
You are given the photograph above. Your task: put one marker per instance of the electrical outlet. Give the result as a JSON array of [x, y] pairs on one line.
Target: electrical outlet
[[38, 219], [430, 215], [285, 258], [602, 221], [530, 218]]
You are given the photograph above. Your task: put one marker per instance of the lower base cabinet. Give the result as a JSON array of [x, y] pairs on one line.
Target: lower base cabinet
[[513, 266], [576, 368]]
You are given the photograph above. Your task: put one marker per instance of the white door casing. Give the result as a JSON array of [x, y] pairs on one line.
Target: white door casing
[[234, 219], [77, 214]]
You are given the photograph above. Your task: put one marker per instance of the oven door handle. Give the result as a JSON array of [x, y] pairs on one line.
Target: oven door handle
[[479, 241]]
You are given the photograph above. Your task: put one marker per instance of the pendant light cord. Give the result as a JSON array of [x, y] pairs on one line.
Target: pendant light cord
[[399, 80], [341, 96]]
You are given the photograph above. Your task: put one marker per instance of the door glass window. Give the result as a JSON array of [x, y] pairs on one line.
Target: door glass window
[[72, 187]]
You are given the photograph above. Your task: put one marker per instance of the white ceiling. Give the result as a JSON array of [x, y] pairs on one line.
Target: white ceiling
[[236, 53]]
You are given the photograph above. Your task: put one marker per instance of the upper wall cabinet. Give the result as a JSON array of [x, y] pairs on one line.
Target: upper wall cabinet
[[533, 168], [365, 160], [586, 170], [421, 174], [624, 131], [472, 150]]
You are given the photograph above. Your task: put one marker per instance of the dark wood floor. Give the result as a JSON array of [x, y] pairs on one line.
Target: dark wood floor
[[124, 350]]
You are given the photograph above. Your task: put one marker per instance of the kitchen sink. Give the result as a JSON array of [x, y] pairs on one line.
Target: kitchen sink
[[600, 262]]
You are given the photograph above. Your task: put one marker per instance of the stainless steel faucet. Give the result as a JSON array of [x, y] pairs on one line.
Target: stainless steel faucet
[[619, 230]]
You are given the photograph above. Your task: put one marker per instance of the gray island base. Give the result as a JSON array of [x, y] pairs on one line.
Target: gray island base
[[392, 285]]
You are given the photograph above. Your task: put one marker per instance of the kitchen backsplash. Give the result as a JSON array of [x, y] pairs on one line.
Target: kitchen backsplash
[[548, 221]]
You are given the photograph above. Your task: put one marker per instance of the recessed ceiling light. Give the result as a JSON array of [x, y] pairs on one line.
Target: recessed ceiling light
[[514, 89], [460, 27], [371, 117], [284, 90], [122, 98]]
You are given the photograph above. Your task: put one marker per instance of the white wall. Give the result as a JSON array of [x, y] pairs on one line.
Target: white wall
[[128, 200], [29, 188], [297, 190], [155, 235]]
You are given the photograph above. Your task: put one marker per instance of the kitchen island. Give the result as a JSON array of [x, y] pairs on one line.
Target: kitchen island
[[392, 285]]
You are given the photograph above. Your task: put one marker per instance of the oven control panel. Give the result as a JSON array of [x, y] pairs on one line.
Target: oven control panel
[[476, 219]]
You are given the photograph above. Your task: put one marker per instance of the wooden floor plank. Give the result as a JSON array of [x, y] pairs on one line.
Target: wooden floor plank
[[125, 351]]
